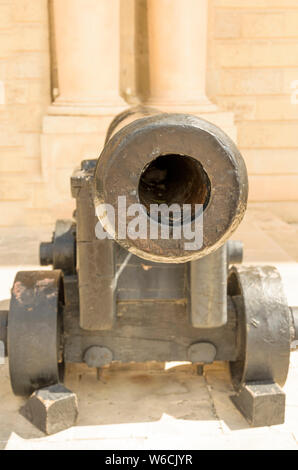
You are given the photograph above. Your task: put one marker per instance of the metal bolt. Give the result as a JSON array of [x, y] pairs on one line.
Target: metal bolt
[[46, 253], [98, 356], [202, 352]]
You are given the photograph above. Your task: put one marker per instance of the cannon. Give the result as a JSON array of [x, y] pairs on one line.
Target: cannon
[[146, 270]]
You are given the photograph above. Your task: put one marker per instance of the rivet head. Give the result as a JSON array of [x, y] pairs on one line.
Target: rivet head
[[98, 356], [202, 352]]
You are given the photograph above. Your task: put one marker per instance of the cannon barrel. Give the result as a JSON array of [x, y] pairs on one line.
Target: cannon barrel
[[158, 158]]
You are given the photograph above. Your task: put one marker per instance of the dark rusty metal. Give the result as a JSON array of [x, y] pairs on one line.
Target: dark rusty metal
[[143, 300], [294, 315], [264, 325], [3, 329], [96, 258], [46, 256], [208, 306], [264, 341], [98, 356], [52, 409], [208, 169], [34, 330], [61, 251], [202, 352]]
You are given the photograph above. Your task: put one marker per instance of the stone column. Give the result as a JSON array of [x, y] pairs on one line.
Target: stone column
[[177, 41], [87, 44]]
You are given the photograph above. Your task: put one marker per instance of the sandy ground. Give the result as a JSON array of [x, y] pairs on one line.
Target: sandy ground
[[156, 406]]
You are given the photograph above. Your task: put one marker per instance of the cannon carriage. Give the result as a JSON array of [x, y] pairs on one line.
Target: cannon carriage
[[126, 298]]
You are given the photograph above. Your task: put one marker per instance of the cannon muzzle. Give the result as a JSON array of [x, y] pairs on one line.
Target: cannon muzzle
[[154, 159]]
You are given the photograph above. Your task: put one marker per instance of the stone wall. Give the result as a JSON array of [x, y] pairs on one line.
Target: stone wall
[[24, 97], [252, 63]]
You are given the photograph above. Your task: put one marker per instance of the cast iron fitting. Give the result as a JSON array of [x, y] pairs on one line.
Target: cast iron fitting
[[294, 314], [171, 159], [46, 253]]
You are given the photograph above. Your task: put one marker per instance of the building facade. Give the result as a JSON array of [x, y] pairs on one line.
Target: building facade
[[68, 66]]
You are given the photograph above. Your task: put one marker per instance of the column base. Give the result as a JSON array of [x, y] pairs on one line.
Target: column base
[[202, 108], [193, 106], [67, 139], [222, 119], [110, 108]]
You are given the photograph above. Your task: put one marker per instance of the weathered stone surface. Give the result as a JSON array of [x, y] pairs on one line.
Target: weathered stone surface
[[52, 409]]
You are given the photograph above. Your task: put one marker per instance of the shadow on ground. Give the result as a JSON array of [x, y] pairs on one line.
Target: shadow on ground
[[135, 393]]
